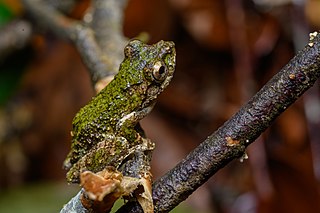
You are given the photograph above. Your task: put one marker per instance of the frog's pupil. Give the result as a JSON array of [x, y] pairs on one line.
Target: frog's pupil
[[162, 70]]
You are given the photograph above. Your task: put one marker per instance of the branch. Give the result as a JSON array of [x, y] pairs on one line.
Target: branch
[[74, 205], [107, 23], [14, 36], [230, 141], [102, 60]]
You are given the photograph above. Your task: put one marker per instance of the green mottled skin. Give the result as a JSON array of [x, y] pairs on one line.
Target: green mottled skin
[[106, 130]]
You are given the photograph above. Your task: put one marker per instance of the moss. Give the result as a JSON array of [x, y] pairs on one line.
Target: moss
[[128, 92]]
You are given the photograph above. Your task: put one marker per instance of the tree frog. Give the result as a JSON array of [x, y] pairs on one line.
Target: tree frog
[[106, 132]]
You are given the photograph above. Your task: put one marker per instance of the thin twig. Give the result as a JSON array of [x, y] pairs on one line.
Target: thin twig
[[14, 36], [101, 61], [74, 205]]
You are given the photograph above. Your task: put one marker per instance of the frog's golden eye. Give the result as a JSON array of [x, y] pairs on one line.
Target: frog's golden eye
[[159, 71]]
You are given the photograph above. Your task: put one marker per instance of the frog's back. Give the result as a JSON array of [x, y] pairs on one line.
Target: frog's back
[[98, 119], [143, 74]]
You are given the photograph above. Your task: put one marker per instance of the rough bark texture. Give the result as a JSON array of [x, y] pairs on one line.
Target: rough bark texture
[[74, 205]]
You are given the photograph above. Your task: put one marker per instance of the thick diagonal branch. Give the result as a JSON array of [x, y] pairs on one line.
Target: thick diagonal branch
[[230, 141]]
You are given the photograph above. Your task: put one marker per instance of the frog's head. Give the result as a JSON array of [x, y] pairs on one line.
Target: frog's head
[[153, 66]]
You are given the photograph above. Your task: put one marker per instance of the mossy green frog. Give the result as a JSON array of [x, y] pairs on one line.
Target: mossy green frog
[[106, 132]]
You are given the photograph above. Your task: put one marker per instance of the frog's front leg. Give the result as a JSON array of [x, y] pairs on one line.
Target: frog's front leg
[[130, 120], [138, 165]]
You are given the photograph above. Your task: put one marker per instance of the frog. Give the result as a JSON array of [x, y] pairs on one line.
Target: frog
[[106, 132]]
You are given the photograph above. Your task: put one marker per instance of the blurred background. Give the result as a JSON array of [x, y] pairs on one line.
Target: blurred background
[[226, 51]]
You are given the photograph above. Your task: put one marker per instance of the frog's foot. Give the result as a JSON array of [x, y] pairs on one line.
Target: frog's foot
[[102, 189]]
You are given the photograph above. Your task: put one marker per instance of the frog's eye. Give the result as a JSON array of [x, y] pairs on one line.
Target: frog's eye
[[159, 71]]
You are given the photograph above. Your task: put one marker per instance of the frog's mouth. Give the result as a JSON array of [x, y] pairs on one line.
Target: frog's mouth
[[151, 96]]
